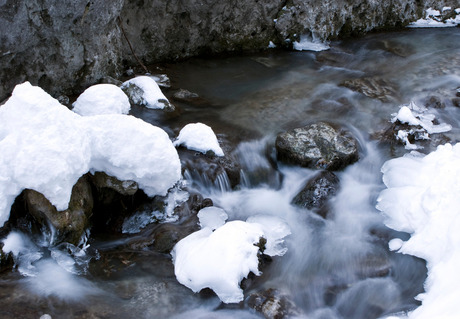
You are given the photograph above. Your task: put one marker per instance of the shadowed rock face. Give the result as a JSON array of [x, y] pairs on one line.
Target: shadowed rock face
[[70, 224], [66, 46]]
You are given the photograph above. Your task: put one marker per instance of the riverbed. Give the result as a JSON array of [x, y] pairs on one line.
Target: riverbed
[[335, 267]]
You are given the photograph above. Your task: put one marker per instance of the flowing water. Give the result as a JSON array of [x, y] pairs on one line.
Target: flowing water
[[338, 267]]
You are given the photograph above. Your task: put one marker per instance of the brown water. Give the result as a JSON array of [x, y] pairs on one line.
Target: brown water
[[335, 268]]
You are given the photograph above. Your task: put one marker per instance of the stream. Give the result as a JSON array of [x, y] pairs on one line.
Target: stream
[[335, 267]]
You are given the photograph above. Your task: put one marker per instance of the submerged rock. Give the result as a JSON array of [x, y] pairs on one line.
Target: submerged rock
[[272, 304], [317, 146], [373, 87], [317, 191], [70, 224]]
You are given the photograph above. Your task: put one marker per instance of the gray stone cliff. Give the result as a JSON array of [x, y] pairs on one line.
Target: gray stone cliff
[[65, 46]]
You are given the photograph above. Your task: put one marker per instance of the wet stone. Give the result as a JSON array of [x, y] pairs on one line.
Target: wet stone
[[434, 101], [317, 191], [373, 87], [456, 101], [272, 304], [319, 146], [70, 224]]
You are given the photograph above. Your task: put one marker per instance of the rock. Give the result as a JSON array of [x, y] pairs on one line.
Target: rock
[[416, 135], [397, 48], [162, 237], [69, 46], [144, 91], [317, 191], [62, 47], [373, 87], [102, 180], [434, 101], [70, 224], [317, 146], [6, 260], [272, 304], [188, 97], [218, 171], [456, 101], [110, 80], [373, 265]]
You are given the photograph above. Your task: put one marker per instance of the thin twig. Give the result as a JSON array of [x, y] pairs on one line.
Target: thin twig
[[120, 23]]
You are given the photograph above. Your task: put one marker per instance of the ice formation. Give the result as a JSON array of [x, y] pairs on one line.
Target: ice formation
[[308, 43]]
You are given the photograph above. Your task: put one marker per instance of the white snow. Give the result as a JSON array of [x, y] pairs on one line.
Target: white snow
[[212, 217], [422, 199], [433, 19], [146, 92], [307, 43], [199, 137], [220, 259], [102, 99], [47, 147], [271, 45]]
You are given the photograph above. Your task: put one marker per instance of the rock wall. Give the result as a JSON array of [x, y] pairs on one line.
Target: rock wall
[[64, 46], [57, 44]]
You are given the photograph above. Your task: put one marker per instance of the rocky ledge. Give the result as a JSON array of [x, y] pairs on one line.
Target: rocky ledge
[[64, 47]]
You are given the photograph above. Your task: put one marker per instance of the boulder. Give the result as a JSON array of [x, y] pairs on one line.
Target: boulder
[[318, 146], [70, 224], [317, 191]]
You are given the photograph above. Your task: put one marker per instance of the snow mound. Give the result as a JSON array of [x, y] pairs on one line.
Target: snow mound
[[422, 199], [308, 43], [47, 148], [199, 137], [220, 259], [434, 19], [102, 99], [422, 122], [143, 90]]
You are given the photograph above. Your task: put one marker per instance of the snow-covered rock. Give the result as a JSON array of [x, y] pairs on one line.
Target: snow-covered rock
[[102, 99], [47, 148], [422, 199], [436, 19], [143, 90], [220, 259], [199, 137], [420, 122]]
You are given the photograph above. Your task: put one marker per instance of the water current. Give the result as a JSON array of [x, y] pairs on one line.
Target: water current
[[338, 267]]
